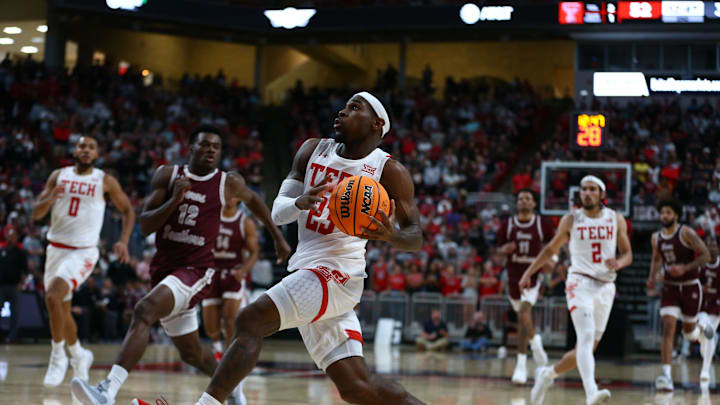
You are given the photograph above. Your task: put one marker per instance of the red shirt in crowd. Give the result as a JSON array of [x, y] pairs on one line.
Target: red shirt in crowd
[[397, 282], [380, 277], [451, 284]]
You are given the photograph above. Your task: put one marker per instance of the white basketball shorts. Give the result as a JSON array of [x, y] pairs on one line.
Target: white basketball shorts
[[319, 302], [593, 295], [74, 265]]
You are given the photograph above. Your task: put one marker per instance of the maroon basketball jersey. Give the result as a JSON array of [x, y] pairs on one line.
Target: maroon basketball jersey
[[529, 238], [230, 242], [188, 236], [674, 251], [710, 279]]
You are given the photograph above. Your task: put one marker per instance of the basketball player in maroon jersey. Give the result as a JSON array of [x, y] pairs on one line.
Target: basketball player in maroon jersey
[[183, 209], [236, 252], [359, 127], [521, 238], [709, 317], [680, 252]]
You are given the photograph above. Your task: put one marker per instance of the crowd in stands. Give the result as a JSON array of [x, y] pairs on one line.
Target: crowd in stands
[[456, 147]]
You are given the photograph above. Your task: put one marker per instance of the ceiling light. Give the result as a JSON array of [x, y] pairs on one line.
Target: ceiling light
[[38, 40], [42, 28], [6, 41], [12, 30], [28, 49]]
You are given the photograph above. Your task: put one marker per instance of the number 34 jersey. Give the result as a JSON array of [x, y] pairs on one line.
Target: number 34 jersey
[[77, 216], [319, 241], [188, 236], [592, 241]]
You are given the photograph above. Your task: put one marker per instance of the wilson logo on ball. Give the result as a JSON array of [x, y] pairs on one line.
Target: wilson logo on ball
[[345, 199]]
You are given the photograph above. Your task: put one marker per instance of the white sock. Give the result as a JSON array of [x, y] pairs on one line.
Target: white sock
[[694, 335], [117, 378], [75, 350], [585, 330], [536, 342], [553, 373], [206, 399], [522, 358], [667, 370], [58, 347], [218, 346]]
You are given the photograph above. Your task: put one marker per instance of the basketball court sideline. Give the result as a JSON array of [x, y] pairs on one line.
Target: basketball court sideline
[[286, 375]]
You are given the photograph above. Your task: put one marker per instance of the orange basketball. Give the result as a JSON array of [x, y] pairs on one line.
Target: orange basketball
[[354, 201]]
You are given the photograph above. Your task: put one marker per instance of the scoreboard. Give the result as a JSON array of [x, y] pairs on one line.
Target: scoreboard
[[589, 131], [617, 12]]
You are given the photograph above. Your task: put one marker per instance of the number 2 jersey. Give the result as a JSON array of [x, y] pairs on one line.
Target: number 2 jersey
[[592, 241], [77, 217], [320, 242], [187, 238]]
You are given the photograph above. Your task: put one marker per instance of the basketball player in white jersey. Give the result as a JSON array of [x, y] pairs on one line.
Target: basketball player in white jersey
[[329, 266], [76, 195], [595, 232]]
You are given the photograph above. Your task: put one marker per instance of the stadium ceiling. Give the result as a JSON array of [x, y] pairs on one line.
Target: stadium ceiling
[[225, 21]]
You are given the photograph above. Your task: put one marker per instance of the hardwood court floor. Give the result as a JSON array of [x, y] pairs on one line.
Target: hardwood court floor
[[286, 375]]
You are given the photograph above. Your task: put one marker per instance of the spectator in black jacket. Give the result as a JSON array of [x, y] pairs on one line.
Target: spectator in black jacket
[[478, 335], [13, 267]]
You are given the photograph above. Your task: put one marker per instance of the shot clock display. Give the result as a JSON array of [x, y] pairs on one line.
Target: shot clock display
[[589, 131]]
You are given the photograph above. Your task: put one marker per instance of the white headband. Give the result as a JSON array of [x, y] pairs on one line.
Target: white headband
[[594, 180], [377, 106]]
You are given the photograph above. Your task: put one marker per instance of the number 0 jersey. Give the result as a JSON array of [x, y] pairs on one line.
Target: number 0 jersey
[[320, 243], [77, 217], [592, 241], [187, 238]]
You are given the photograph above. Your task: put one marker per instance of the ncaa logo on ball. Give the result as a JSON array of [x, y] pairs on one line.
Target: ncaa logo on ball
[[367, 200], [345, 199]]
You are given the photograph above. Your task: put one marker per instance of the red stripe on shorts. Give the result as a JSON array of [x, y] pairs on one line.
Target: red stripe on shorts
[[74, 284], [323, 306], [572, 308], [355, 335], [62, 246]]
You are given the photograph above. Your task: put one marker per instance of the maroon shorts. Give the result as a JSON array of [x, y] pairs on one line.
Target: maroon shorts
[[514, 284], [711, 304], [189, 285], [224, 286], [681, 301]]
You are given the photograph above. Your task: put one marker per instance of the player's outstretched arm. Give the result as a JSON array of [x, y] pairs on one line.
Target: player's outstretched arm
[[122, 203], [251, 245], [655, 263], [162, 201], [235, 187], [399, 185], [702, 254], [623, 243], [561, 237], [47, 197]]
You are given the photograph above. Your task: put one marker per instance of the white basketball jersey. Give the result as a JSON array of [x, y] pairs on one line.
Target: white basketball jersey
[[592, 241], [77, 217], [320, 242]]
